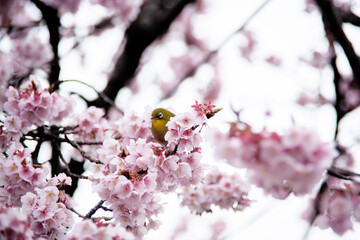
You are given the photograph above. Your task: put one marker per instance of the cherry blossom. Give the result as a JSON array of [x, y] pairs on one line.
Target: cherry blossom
[[31, 105], [280, 164], [48, 217], [181, 133], [87, 229], [91, 126], [13, 13], [14, 224], [318, 60], [340, 205], [219, 189], [135, 170], [31, 52], [18, 175], [64, 6], [247, 48]]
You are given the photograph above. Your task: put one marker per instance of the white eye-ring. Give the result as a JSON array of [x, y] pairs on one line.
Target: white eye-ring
[[160, 115]]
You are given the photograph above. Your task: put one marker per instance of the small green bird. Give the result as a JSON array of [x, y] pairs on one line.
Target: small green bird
[[160, 117]]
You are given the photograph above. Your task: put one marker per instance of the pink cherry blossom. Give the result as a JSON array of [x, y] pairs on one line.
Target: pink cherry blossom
[[135, 169], [31, 52], [48, 217], [248, 47], [13, 13], [33, 106], [217, 189], [14, 224], [87, 229], [318, 60], [339, 207], [280, 164], [61, 180], [181, 132], [64, 6], [18, 175]]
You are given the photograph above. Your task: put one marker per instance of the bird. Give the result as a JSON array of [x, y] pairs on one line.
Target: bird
[[160, 117]]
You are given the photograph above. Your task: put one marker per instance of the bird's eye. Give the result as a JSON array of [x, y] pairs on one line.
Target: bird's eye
[[160, 115]]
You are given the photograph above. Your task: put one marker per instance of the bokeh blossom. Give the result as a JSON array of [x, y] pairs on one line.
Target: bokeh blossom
[[293, 162], [339, 206], [14, 224]]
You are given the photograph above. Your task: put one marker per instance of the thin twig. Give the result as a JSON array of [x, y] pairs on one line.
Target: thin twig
[[67, 166], [94, 209], [82, 152], [317, 207], [76, 212], [106, 209], [84, 217], [211, 54], [332, 20], [80, 143], [343, 174], [101, 94]]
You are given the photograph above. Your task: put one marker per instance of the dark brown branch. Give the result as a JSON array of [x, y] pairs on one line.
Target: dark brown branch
[[317, 206], [339, 96], [152, 22], [82, 152], [68, 170], [343, 174], [50, 16], [94, 209], [333, 23], [101, 95], [214, 52], [350, 17]]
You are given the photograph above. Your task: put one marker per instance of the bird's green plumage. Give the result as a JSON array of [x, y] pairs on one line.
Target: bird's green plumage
[[160, 117]]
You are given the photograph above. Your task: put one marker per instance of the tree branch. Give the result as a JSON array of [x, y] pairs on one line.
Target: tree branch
[[350, 17], [94, 209], [214, 52], [332, 21], [50, 15], [152, 22]]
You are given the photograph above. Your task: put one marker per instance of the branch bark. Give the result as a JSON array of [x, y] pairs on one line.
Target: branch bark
[[50, 16], [152, 22], [350, 17], [332, 21]]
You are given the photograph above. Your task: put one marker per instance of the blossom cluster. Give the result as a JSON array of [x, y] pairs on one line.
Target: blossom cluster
[[31, 105], [219, 189], [87, 229], [135, 169], [339, 205], [132, 126], [31, 52], [280, 164], [25, 185], [181, 132], [49, 217], [18, 176], [14, 224], [13, 13], [91, 126]]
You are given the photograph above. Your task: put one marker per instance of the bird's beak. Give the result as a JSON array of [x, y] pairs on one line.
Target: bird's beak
[[153, 117]]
